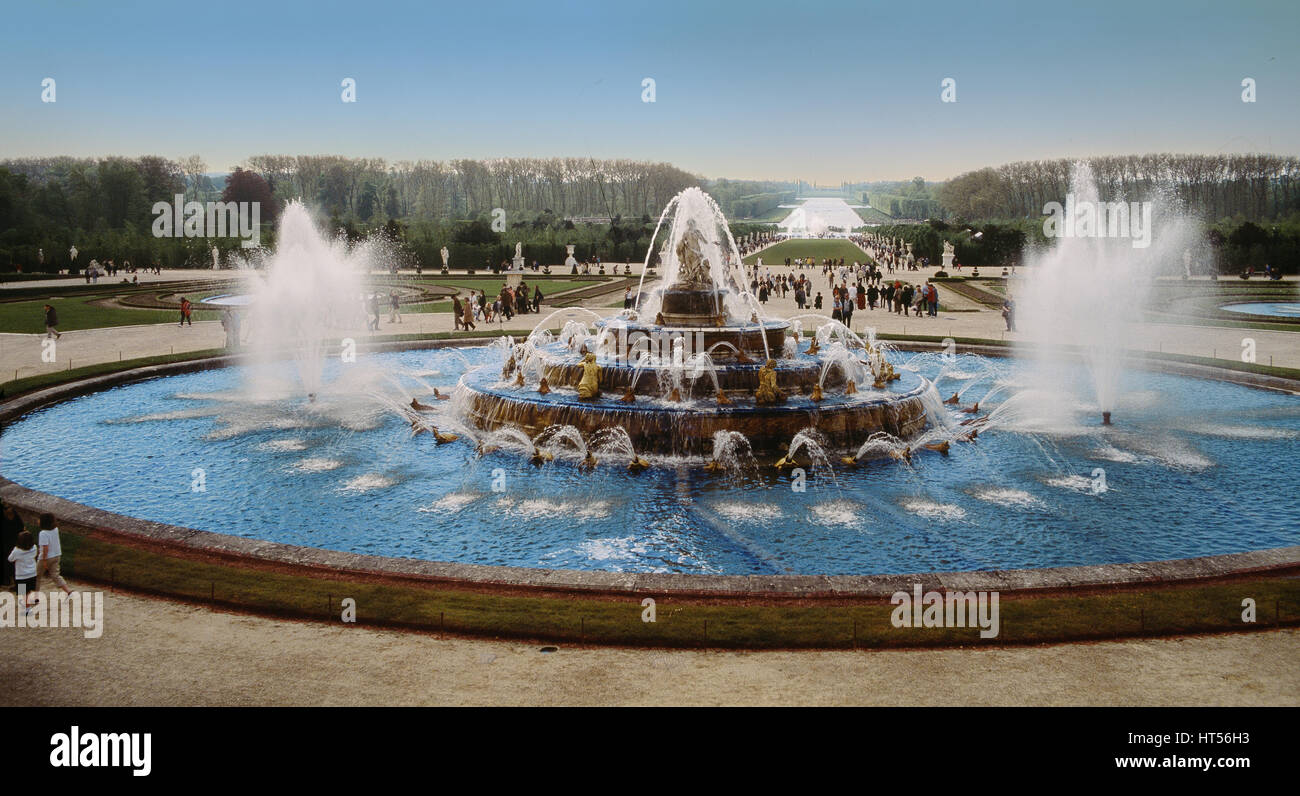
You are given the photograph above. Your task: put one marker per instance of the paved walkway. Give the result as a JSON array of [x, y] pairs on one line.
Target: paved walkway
[[21, 353], [155, 652]]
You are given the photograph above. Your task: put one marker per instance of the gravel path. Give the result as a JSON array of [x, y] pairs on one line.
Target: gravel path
[[155, 652]]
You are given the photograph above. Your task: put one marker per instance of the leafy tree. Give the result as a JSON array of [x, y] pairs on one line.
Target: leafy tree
[[249, 186]]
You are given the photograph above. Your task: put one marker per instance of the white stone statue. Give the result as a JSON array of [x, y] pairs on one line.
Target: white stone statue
[[446, 256], [215, 259], [949, 253], [519, 249], [693, 268], [72, 253]]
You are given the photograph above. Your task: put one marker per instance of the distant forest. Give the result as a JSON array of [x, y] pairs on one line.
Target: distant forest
[[606, 208]]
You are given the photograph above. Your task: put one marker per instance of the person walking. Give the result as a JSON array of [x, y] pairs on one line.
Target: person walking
[[51, 321], [467, 318], [537, 298], [1009, 314], [372, 309], [23, 557], [456, 313], [394, 316], [186, 308], [51, 551], [933, 298]]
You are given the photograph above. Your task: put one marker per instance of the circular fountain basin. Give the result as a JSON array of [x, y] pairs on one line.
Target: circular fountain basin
[[1192, 467], [1272, 309]]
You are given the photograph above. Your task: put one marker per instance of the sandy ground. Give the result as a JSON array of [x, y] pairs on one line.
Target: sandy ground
[[155, 652]]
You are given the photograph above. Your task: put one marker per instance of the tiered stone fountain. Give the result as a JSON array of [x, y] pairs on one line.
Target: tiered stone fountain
[[696, 357]]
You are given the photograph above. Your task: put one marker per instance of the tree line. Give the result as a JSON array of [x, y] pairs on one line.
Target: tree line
[[1254, 187]]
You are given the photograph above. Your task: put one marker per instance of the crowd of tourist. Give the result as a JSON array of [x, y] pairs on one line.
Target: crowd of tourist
[[510, 301], [95, 269]]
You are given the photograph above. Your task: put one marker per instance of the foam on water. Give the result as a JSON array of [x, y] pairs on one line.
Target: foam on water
[[1016, 498], [751, 512], [368, 483], [932, 510], [283, 445], [317, 465], [844, 513], [532, 508], [1229, 431], [450, 504], [1078, 483], [612, 549], [1112, 454], [179, 414]]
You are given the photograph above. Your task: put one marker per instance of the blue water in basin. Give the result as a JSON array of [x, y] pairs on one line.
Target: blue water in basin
[[1277, 309], [1192, 467], [229, 300]]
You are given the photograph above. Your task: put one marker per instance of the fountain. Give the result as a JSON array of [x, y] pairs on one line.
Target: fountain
[[640, 375], [1090, 288], [310, 294]]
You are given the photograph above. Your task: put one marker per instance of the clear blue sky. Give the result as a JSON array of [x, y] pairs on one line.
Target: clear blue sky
[[815, 90]]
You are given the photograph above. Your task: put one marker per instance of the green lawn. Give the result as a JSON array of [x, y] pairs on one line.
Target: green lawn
[[77, 312], [817, 248], [873, 216], [28, 317]]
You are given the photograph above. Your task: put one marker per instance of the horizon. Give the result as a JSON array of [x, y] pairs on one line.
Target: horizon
[[849, 93]]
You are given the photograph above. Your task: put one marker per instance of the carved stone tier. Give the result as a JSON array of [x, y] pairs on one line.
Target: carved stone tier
[[684, 305], [689, 429], [722, 342]]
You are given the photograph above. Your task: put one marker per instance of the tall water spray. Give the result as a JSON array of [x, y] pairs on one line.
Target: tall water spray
[[1089, 288], [309, 295], [693, 209]]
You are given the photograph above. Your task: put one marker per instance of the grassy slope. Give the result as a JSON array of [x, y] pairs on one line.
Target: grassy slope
[[814, 247], [680, 622], [78, 313]]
